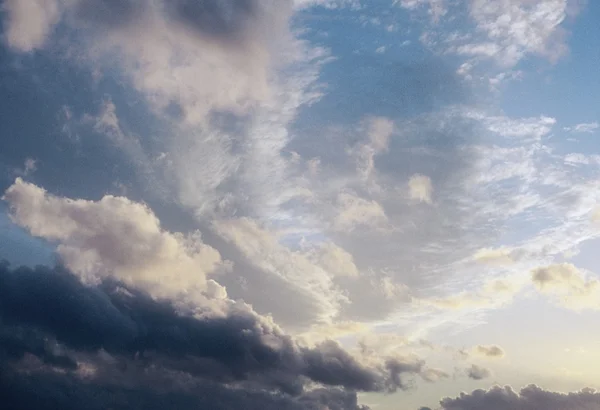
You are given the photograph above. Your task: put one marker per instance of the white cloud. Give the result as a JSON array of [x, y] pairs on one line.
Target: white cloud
[[309, 283], [495, 256], [568, 285], [30, 22], [333, 259], [169, 50], [119, 238], [532, 127], [584, 127], [515, 28], [357, 212], [436, 8], [420, 188]]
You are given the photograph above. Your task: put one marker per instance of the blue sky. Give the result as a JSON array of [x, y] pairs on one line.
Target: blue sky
[[308, 204]]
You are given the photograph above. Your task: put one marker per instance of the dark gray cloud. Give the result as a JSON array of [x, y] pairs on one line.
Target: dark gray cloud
[[531, 397], [49, 318], [50, 390], [478, 373]]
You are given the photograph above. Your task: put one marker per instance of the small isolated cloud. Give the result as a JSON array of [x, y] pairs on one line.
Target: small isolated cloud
[[420, 188], [531, 397], [491, 351], [29, 167], [584, 127], [434, 375], [568, 285], [476, 372]]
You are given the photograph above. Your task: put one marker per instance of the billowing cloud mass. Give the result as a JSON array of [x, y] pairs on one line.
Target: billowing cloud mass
[[531, 397], [115, 237], [164, 46], [114, 337], [297, 204]]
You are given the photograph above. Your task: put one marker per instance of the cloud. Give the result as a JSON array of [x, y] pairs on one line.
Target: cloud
[[300, 280], [584, 127], [333, 259], [30, 22], [568, 285], [513, 29], [420, 188], [492, 351], [476, 372], [114, 336], [355, 212], [497, 256], [118, 238], [531, 397], [157, 45], [492, 293]]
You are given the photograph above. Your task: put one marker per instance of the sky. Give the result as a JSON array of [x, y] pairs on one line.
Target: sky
[[300, 204]]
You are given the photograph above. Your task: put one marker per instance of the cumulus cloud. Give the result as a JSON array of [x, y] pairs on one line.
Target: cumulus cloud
[[420, 188], [119, 238], [476, 372], [531, 397], [491, 351], [568, 285], [30, 22], [165, 47], [115, 336]]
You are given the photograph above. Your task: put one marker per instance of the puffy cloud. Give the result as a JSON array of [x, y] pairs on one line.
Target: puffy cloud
[[30, 22], [420, 188], [492, 351], [166, 47], [119, 238], [114, 335], [568, 285], [476, 372], [531, 397]]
